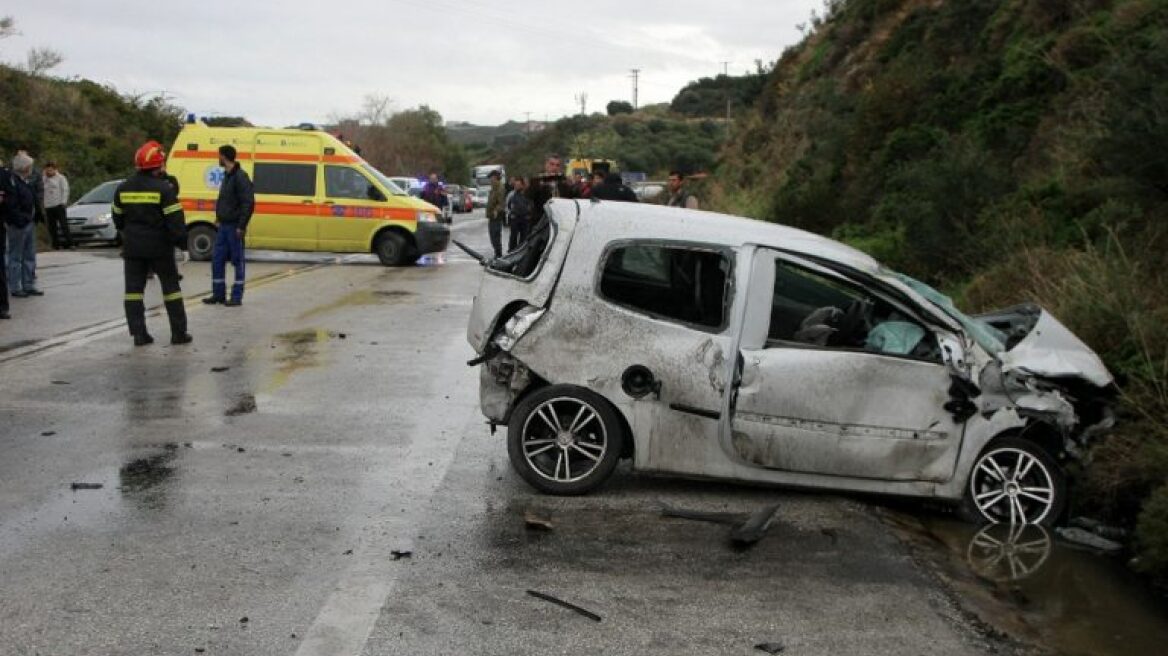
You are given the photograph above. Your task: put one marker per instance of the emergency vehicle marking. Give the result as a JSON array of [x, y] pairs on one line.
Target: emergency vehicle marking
[[270, 157], [314, 209]]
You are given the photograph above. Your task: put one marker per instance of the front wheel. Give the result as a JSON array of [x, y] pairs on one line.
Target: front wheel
[[564, 440], [391, 249], [201, 242], [1014, 481]]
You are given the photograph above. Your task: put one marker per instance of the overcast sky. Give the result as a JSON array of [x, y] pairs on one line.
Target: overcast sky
[[279, 63]]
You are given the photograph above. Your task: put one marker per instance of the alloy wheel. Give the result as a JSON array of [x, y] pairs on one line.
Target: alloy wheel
[[1011, 485], [564, 440]]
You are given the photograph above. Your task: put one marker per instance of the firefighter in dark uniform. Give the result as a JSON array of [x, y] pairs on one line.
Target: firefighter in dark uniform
[[150, 218]]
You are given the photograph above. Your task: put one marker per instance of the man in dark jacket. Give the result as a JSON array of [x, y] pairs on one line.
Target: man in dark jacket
[[150, 218], [233, 210], [519, 209], [7, 199], [614, 188], [19, 223]]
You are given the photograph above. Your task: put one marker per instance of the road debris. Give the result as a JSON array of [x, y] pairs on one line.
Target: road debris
[[753, 529], [398, 555], [61, 382], [730, 519], [1099, 528], [48, 433], [347, 552], [87, 486], [244, 619], [564, 604], [537, 520], [219, 370], [245, 404], [771, 647], [1084, 538]]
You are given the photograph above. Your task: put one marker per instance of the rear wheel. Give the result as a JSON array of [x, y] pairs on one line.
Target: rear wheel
[[564, 440], [391, 249], [201, 242], [1014, 481]]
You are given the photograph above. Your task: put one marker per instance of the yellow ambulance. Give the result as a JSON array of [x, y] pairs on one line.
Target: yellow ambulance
[[312, 194]]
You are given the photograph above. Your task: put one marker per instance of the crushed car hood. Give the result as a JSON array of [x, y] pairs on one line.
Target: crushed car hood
[[1048, 349]]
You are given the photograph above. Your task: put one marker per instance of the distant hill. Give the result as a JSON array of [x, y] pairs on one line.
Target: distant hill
[[506, 135]]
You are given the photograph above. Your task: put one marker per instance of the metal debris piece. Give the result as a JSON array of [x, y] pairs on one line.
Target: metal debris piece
[[219, 370], [48, 433], [1088, 539], [564, 604], [771, 647], [87, 486], [731, 519], [754, 528], [398, 555], [536, 520], [61, 382]]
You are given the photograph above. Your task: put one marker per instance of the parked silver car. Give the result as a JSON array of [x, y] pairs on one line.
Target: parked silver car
[[710, 346], [91, 217]]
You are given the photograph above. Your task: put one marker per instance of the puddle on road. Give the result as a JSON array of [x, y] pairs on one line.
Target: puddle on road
[[298, 350], [1029, 583], [358, 298]]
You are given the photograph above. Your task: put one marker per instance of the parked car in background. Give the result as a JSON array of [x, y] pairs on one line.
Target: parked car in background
[[468, 199], [650, 192], [91, 216], [411, 186], [711, 346], [454, 192], [480, 196]]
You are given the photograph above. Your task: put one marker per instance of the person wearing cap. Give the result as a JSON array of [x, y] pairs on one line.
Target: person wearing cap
[[150, 218], [19, 220], [233, 211]]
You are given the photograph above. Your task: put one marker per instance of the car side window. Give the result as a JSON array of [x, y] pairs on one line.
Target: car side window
[[285, 179], [345, 182], [680, 283], [813, 309]]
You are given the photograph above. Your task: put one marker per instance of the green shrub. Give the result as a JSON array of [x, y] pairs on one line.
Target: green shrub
[[1152, 533]]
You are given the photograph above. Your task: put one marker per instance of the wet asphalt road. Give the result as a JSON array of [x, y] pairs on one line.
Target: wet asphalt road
[[262, 487]]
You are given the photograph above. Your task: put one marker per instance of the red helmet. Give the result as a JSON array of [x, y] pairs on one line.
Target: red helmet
[[149, 156]]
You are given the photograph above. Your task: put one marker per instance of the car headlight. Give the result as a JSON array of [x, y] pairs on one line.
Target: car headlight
[[103, 220], [426, 217]]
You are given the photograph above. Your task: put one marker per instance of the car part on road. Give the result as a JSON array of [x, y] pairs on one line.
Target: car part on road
[[730, 519], [1085, 538], [771, 647], [564, 440], [564, 604], [537, 520], [754, 528], [1017, 482], [399, 554], [87, 486]]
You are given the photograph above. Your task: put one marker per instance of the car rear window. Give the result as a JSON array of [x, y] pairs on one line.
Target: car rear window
[[680, 283]]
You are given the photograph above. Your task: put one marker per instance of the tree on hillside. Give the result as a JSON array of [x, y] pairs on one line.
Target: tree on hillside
[[619, 107], [228, 122], [7, 27], [42, 60]]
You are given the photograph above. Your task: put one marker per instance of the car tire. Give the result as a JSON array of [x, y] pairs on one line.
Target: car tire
[[560, 427], [201, 243], [1015, 481], [391, 249]]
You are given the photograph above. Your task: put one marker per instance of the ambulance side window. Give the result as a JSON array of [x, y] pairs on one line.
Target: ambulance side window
[[285, 179], [346, 182]]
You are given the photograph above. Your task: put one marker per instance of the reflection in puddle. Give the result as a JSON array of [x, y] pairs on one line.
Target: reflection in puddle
[[1072, 601], [1008, 552]]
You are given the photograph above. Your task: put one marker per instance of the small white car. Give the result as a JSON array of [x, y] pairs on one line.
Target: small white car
[[710, 346], [91, 217]]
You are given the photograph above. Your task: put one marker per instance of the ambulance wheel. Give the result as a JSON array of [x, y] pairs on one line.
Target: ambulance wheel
[[201, 243], [392, 249]]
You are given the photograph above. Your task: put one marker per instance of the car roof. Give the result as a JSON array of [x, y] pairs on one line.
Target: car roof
[[641, 221]]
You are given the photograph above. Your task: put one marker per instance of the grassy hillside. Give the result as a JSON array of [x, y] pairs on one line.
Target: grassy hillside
[[1010, 150], [89, 129]]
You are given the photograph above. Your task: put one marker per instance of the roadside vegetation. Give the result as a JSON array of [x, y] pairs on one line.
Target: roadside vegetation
[[1010, 151]]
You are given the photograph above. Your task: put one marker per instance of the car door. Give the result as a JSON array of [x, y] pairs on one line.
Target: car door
[[838, 379], [352, 203], [287, 203]]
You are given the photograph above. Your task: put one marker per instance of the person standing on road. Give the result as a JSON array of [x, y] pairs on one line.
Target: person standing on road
[[150, 219], [20, 223], [519, 209], [233, 210], [433, 192], [56, 201], [679, 196], [614, 188], [495, 213], [7, 200]]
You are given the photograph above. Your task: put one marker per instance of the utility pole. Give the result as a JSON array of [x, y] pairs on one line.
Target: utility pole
[[582, 98], [635, 73], [726, 81], [527, 123]]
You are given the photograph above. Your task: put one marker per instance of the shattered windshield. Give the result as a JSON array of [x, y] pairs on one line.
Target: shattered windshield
[[988, 337]]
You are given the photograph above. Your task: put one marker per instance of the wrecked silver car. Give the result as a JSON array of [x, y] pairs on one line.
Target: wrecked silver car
[[704, 345]]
